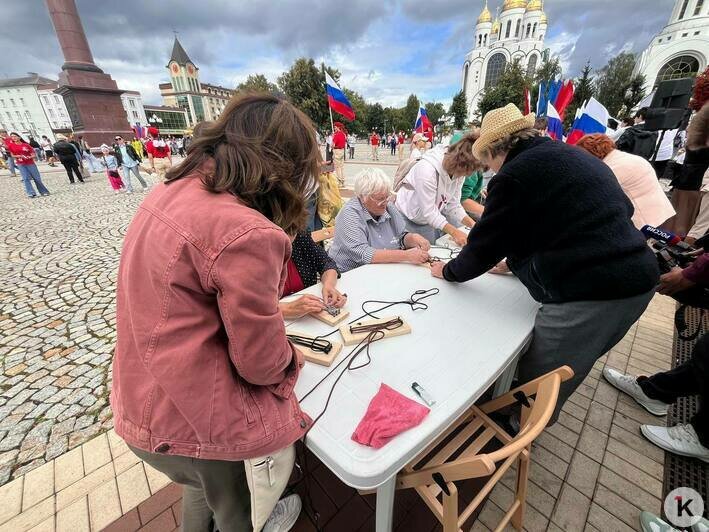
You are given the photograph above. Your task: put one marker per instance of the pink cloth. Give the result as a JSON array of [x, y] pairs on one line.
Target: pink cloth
[[115, 179], [389, 413], [638, 180]]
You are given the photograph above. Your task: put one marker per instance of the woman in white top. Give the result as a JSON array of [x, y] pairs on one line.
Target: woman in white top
[[429, 197], [418, 146]]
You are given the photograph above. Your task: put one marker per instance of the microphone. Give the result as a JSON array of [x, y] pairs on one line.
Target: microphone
[[665, 236]]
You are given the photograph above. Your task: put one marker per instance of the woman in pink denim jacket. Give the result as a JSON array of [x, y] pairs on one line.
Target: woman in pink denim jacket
[[203, 373]]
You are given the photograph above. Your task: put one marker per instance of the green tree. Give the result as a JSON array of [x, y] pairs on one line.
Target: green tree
[[614, 81], [509, 89], [358, 126], [304, 85], [374, 117], [459, 110], [410, 112], [635, 92], [256, 83], [584, 89], [435, 111]]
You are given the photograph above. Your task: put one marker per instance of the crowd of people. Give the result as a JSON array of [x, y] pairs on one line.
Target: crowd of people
[[118, 161], [193, 337]]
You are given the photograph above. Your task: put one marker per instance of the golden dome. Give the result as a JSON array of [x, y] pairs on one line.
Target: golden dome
[[534, 5], [485, 15], [544, 18], [514, 4], [496, 27]]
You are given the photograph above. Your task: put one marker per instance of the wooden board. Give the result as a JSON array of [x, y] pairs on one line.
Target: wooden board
[[316, 357], [324, 317], [353, 339]]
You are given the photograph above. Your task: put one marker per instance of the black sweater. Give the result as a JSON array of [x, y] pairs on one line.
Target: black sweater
[[560, 217]]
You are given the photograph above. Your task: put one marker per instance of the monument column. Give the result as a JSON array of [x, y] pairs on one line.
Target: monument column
[[92, 97]]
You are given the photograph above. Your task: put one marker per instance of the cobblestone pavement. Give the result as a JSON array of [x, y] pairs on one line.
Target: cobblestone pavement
[[58, 262]]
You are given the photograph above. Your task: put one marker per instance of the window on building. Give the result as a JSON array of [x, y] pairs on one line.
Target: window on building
[[19, 116], [57, 100], [519, 24], [12, 102], [22, 102], [532, 66], [51, 114], [681, 67], [534, 29], [509, 28], [495, 68], [683, 10], [9, 116], [28, 116], [465, 77], [529, 31], [132, 103], [685, 34], [480, 40], [135, 115], [485, 40], [45, 100], [669, 38], [2, 102], [198, 108], [659, 40], [698, 9], [695, 33]]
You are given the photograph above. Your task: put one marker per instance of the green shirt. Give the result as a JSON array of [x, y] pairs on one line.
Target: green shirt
[[472, 186]]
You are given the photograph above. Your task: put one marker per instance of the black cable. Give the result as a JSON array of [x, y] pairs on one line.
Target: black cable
[[315, 344]]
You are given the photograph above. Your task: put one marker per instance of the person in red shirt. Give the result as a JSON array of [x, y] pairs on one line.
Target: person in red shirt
[[400, 145], [339, 142], [24, 156], [159, 154], [374, 141]]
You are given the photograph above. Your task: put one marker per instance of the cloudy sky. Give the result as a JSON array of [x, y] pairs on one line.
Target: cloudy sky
[[385, 49]]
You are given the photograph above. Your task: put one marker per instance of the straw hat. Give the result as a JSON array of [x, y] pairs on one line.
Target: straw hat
[[418, 137], [59, 136], [500, 123]]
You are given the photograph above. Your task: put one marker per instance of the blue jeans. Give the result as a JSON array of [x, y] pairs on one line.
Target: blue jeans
[[30, 173], [126, 176], [11, 166]]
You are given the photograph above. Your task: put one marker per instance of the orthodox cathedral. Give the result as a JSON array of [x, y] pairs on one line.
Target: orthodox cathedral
[[517, 31]]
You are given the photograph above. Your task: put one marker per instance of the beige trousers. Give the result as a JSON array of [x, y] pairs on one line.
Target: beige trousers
[[161, 166]]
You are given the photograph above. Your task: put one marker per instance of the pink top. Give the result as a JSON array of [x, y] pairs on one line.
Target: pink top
[[638, 180], [202, 366]]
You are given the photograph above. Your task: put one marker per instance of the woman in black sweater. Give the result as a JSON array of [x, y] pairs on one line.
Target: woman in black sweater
[[560, 218], [308, 260]]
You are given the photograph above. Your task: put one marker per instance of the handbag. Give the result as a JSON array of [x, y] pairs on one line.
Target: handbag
[[267, 477], [85, 173]]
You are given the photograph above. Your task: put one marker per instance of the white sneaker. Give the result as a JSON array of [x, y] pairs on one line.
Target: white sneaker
[[701, 526], [651, 523], [284, 515], [680, 439], [629, 385]]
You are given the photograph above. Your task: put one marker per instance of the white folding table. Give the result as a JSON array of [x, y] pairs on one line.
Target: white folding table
[[458, 347]]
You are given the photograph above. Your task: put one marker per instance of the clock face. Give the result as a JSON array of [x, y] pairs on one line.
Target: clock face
[[175, 68], [190, 69]]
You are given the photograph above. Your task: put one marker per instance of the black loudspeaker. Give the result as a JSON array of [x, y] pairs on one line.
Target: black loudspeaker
[[669, 105]]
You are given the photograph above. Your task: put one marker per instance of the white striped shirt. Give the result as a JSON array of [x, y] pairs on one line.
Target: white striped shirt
[[358, 235]]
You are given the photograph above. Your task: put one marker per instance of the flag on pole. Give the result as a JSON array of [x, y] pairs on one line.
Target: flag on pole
[[563, 99], [555, 128], [337, 100], [527, 101], [542, 100], [593, 119], [422, 122]]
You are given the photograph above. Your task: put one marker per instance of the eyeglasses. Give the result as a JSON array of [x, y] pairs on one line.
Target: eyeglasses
[[118, 138], [381, 202]]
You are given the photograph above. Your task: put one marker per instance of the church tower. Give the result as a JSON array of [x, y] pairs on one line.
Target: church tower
[[516, 34], [186, 88], [681, 49]]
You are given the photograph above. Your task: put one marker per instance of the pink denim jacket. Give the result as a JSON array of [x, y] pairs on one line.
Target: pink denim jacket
[[202, 366]]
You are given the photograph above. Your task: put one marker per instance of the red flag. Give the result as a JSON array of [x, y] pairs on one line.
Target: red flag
[[566, 94]]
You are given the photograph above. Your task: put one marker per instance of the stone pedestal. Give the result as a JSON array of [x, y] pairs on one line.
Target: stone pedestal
[[92, 97]]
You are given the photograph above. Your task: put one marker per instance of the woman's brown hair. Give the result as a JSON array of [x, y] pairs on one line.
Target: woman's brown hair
[[264, 152], [459, 159], [597, 144]]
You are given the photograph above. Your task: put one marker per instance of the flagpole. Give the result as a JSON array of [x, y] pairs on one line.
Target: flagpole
[[332, 124]]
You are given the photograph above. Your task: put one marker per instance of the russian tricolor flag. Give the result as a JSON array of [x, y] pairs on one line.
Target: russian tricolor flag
[[593, 119], [422, 121], [554, 126], [337, 99]]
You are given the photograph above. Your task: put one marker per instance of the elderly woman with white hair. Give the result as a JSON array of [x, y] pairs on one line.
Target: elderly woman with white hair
[[370, 230]]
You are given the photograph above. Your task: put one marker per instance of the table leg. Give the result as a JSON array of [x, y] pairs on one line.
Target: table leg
[[385, 505], [504, 381]]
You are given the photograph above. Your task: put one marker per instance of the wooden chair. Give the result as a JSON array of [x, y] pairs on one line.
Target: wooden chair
[[325, 233], [433, 473]]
